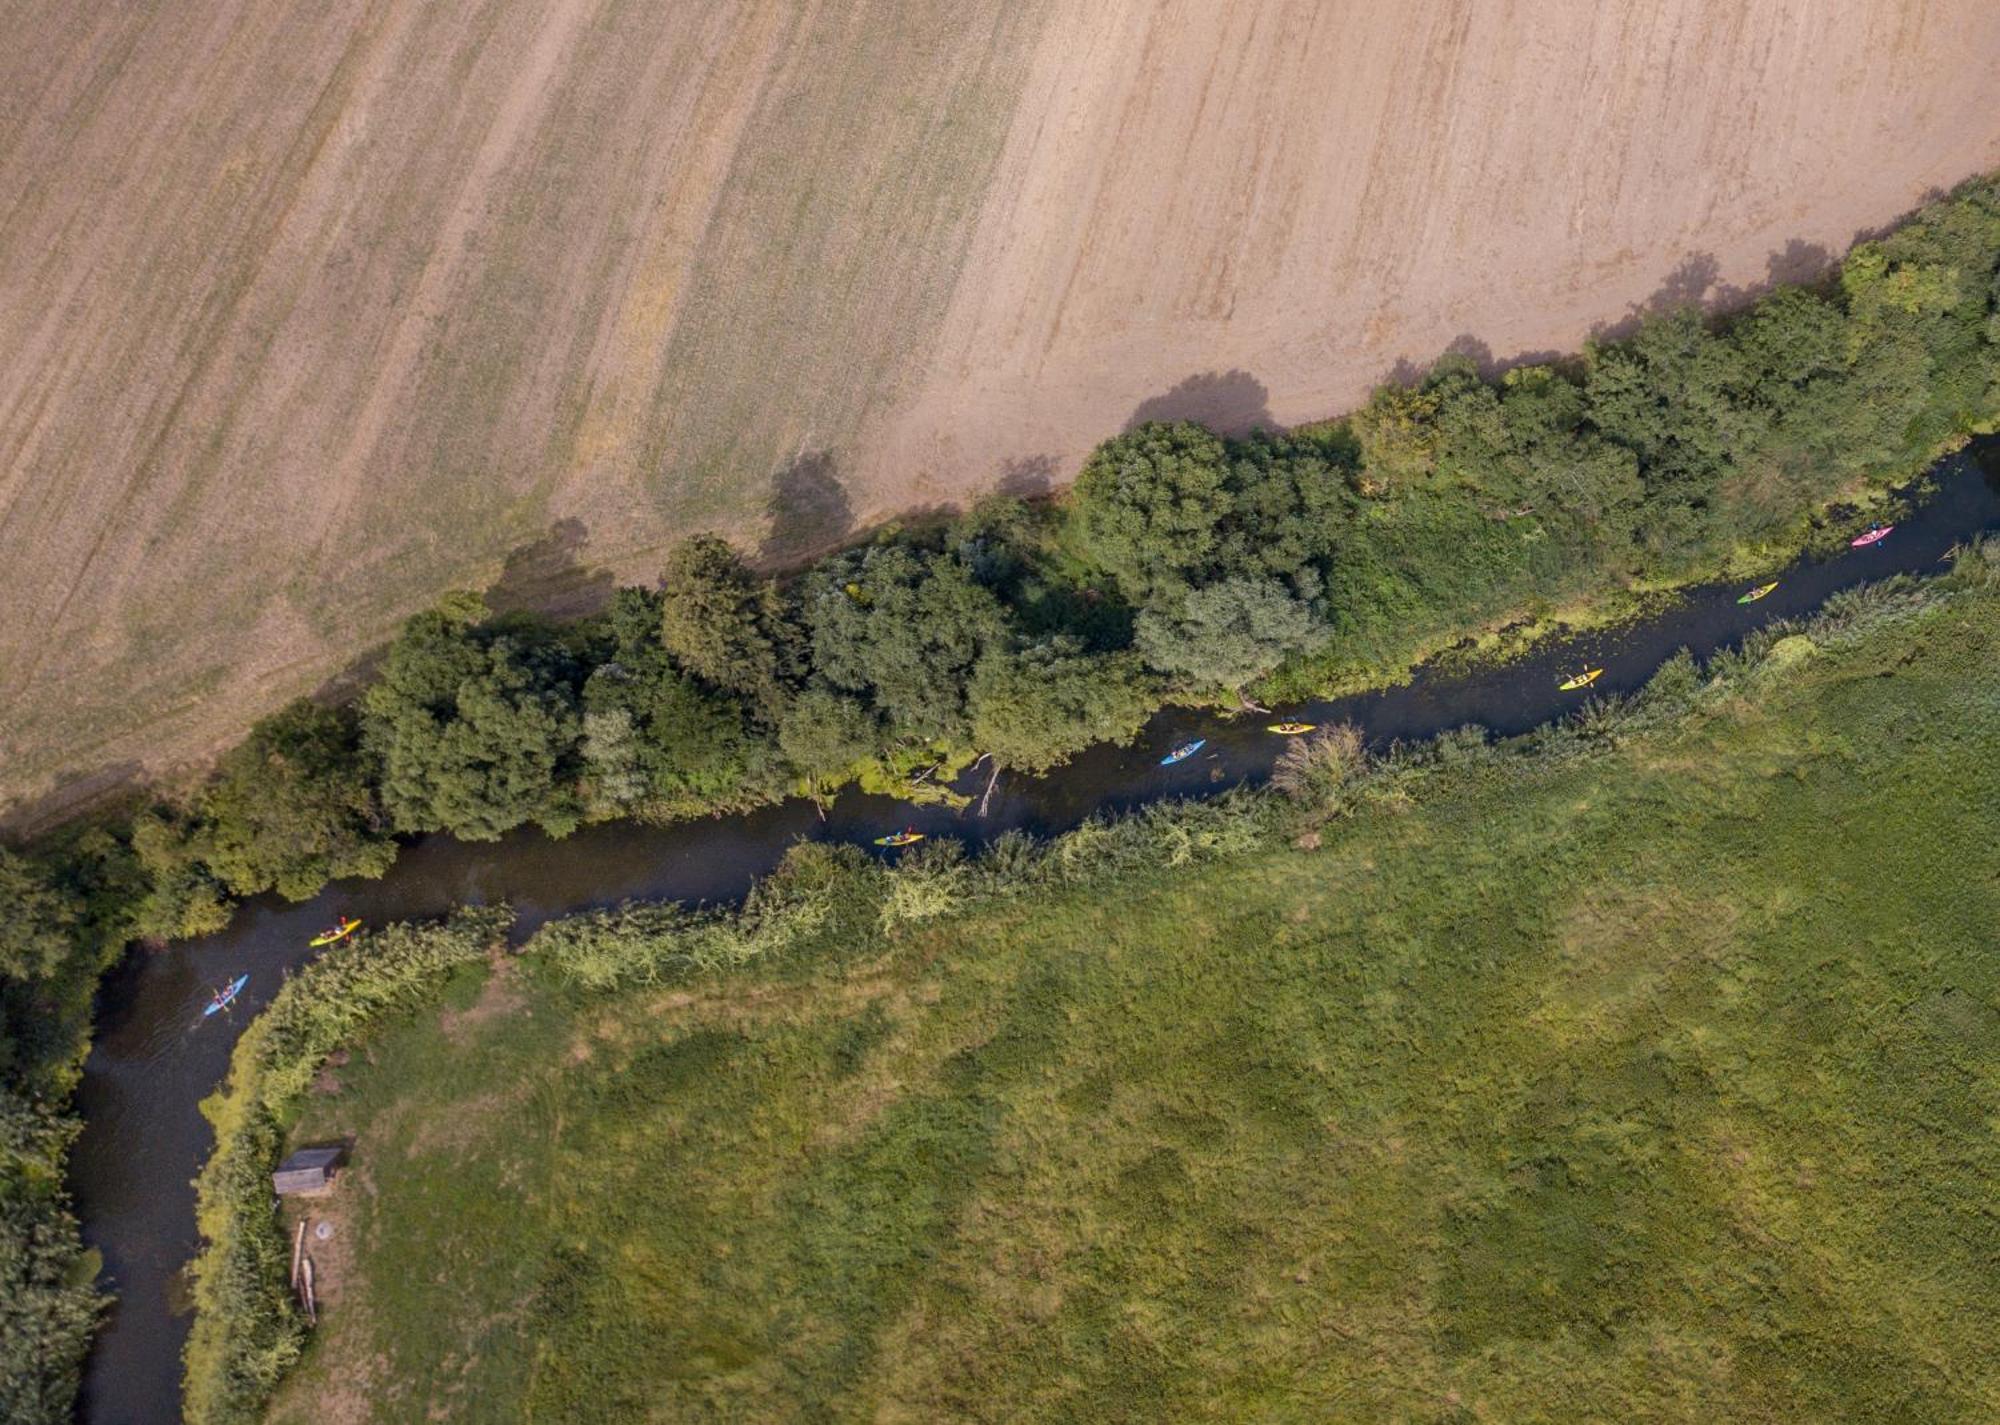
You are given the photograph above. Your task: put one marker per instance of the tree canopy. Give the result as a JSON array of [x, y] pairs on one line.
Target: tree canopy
[[294, 806], [476, 732], [902, 629], [37, 920], [725, 626], [1227, 634], [1036, 708]]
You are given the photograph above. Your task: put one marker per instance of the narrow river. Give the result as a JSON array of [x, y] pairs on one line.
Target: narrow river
[[154, 1058]]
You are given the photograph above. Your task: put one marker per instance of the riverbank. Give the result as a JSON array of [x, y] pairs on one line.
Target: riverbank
[[1502, 1075], [1183, 568], [149, 1070]]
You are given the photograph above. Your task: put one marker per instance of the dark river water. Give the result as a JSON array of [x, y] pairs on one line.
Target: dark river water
[[155, 1058]]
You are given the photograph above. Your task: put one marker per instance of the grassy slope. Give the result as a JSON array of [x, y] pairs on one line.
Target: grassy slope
[[1659, 1087]]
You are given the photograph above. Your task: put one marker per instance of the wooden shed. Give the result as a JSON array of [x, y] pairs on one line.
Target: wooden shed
[[308, 1170]]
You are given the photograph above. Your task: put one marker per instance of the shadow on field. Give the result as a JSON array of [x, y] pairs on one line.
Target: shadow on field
[[1227, 402], [1028, 478], [1696, 281], [548, 576], [73, 794], [808, 509]]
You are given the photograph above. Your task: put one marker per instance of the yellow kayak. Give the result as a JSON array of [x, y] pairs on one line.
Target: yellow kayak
[[1582, 680], [1290, 729], [901, 838], [341, 930], [1758, 592]]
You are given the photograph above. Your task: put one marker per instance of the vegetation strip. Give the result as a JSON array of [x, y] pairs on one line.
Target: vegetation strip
[[1181, 567], [247, 1330], [1502, 1072]]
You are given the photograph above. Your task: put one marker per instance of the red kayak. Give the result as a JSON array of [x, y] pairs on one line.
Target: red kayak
[[1874, 536]]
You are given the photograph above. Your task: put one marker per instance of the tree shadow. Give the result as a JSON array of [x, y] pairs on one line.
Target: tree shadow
[[74, 795], [1930, 195], [548, 576], [1028, 478], [1491, 367], [1696, 281], [1986, 458], [808, 508], [1227, 402], [1797, 264]]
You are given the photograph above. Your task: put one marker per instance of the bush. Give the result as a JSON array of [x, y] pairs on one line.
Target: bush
[[1319, 770]]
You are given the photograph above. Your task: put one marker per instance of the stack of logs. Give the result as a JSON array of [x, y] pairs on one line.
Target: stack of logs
[[302, 1275]]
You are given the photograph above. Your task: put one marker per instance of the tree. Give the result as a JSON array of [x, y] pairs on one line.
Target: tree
[[1229, 633], [184, 899], [726, 627], [293, 806], [1672, 395], [655, 740], [1035, 709], [614, 760], [475, 731], [1287, 495], [1398, 431], [825, 733], [37, 920], [46, 1313], [1148, 504], [904, 630]]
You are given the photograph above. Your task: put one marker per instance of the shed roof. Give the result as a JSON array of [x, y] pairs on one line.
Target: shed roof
[[311, 1158]]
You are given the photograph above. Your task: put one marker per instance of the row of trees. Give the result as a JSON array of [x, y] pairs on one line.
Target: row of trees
[[1182, 565], [66, 912]]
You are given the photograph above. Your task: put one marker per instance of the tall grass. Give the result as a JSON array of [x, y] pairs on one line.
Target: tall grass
[[247, 1331], [829, 907], [1631, 1069]]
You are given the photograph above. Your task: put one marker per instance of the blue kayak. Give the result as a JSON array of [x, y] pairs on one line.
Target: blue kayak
[[225, 995], [1184, 751]]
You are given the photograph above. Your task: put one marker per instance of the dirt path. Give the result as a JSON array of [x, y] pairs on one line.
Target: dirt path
[[313, 311]]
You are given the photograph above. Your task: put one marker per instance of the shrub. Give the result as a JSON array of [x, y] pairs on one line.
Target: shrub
[[1318, 771]]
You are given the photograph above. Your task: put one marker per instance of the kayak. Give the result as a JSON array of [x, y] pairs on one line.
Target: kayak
[[224, 995], [340, 931], [1289, 729], [901, 838], [1874, 536], [1184, 751], [1758, 592], [1582, 680]]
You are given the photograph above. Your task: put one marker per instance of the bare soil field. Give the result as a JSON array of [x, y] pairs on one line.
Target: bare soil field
[[311, 311]]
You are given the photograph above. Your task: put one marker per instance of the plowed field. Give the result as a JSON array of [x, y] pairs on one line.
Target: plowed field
[[310, 311]]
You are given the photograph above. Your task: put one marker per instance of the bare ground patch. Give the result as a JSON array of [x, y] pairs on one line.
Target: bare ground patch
[[499, 998], [340, 1390]]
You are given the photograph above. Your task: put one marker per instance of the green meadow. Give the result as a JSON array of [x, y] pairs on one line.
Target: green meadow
[[1656, 1081]]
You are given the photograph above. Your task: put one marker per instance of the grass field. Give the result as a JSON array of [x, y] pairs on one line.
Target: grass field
[[315, 310], [1658, 1085]]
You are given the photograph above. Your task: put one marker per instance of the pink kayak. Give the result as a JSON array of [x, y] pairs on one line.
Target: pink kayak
[[1874, 536]]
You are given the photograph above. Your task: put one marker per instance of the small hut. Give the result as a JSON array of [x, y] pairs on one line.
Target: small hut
[[308, 1170]]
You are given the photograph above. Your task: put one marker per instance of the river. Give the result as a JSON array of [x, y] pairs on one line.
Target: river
[[154, 1058]]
